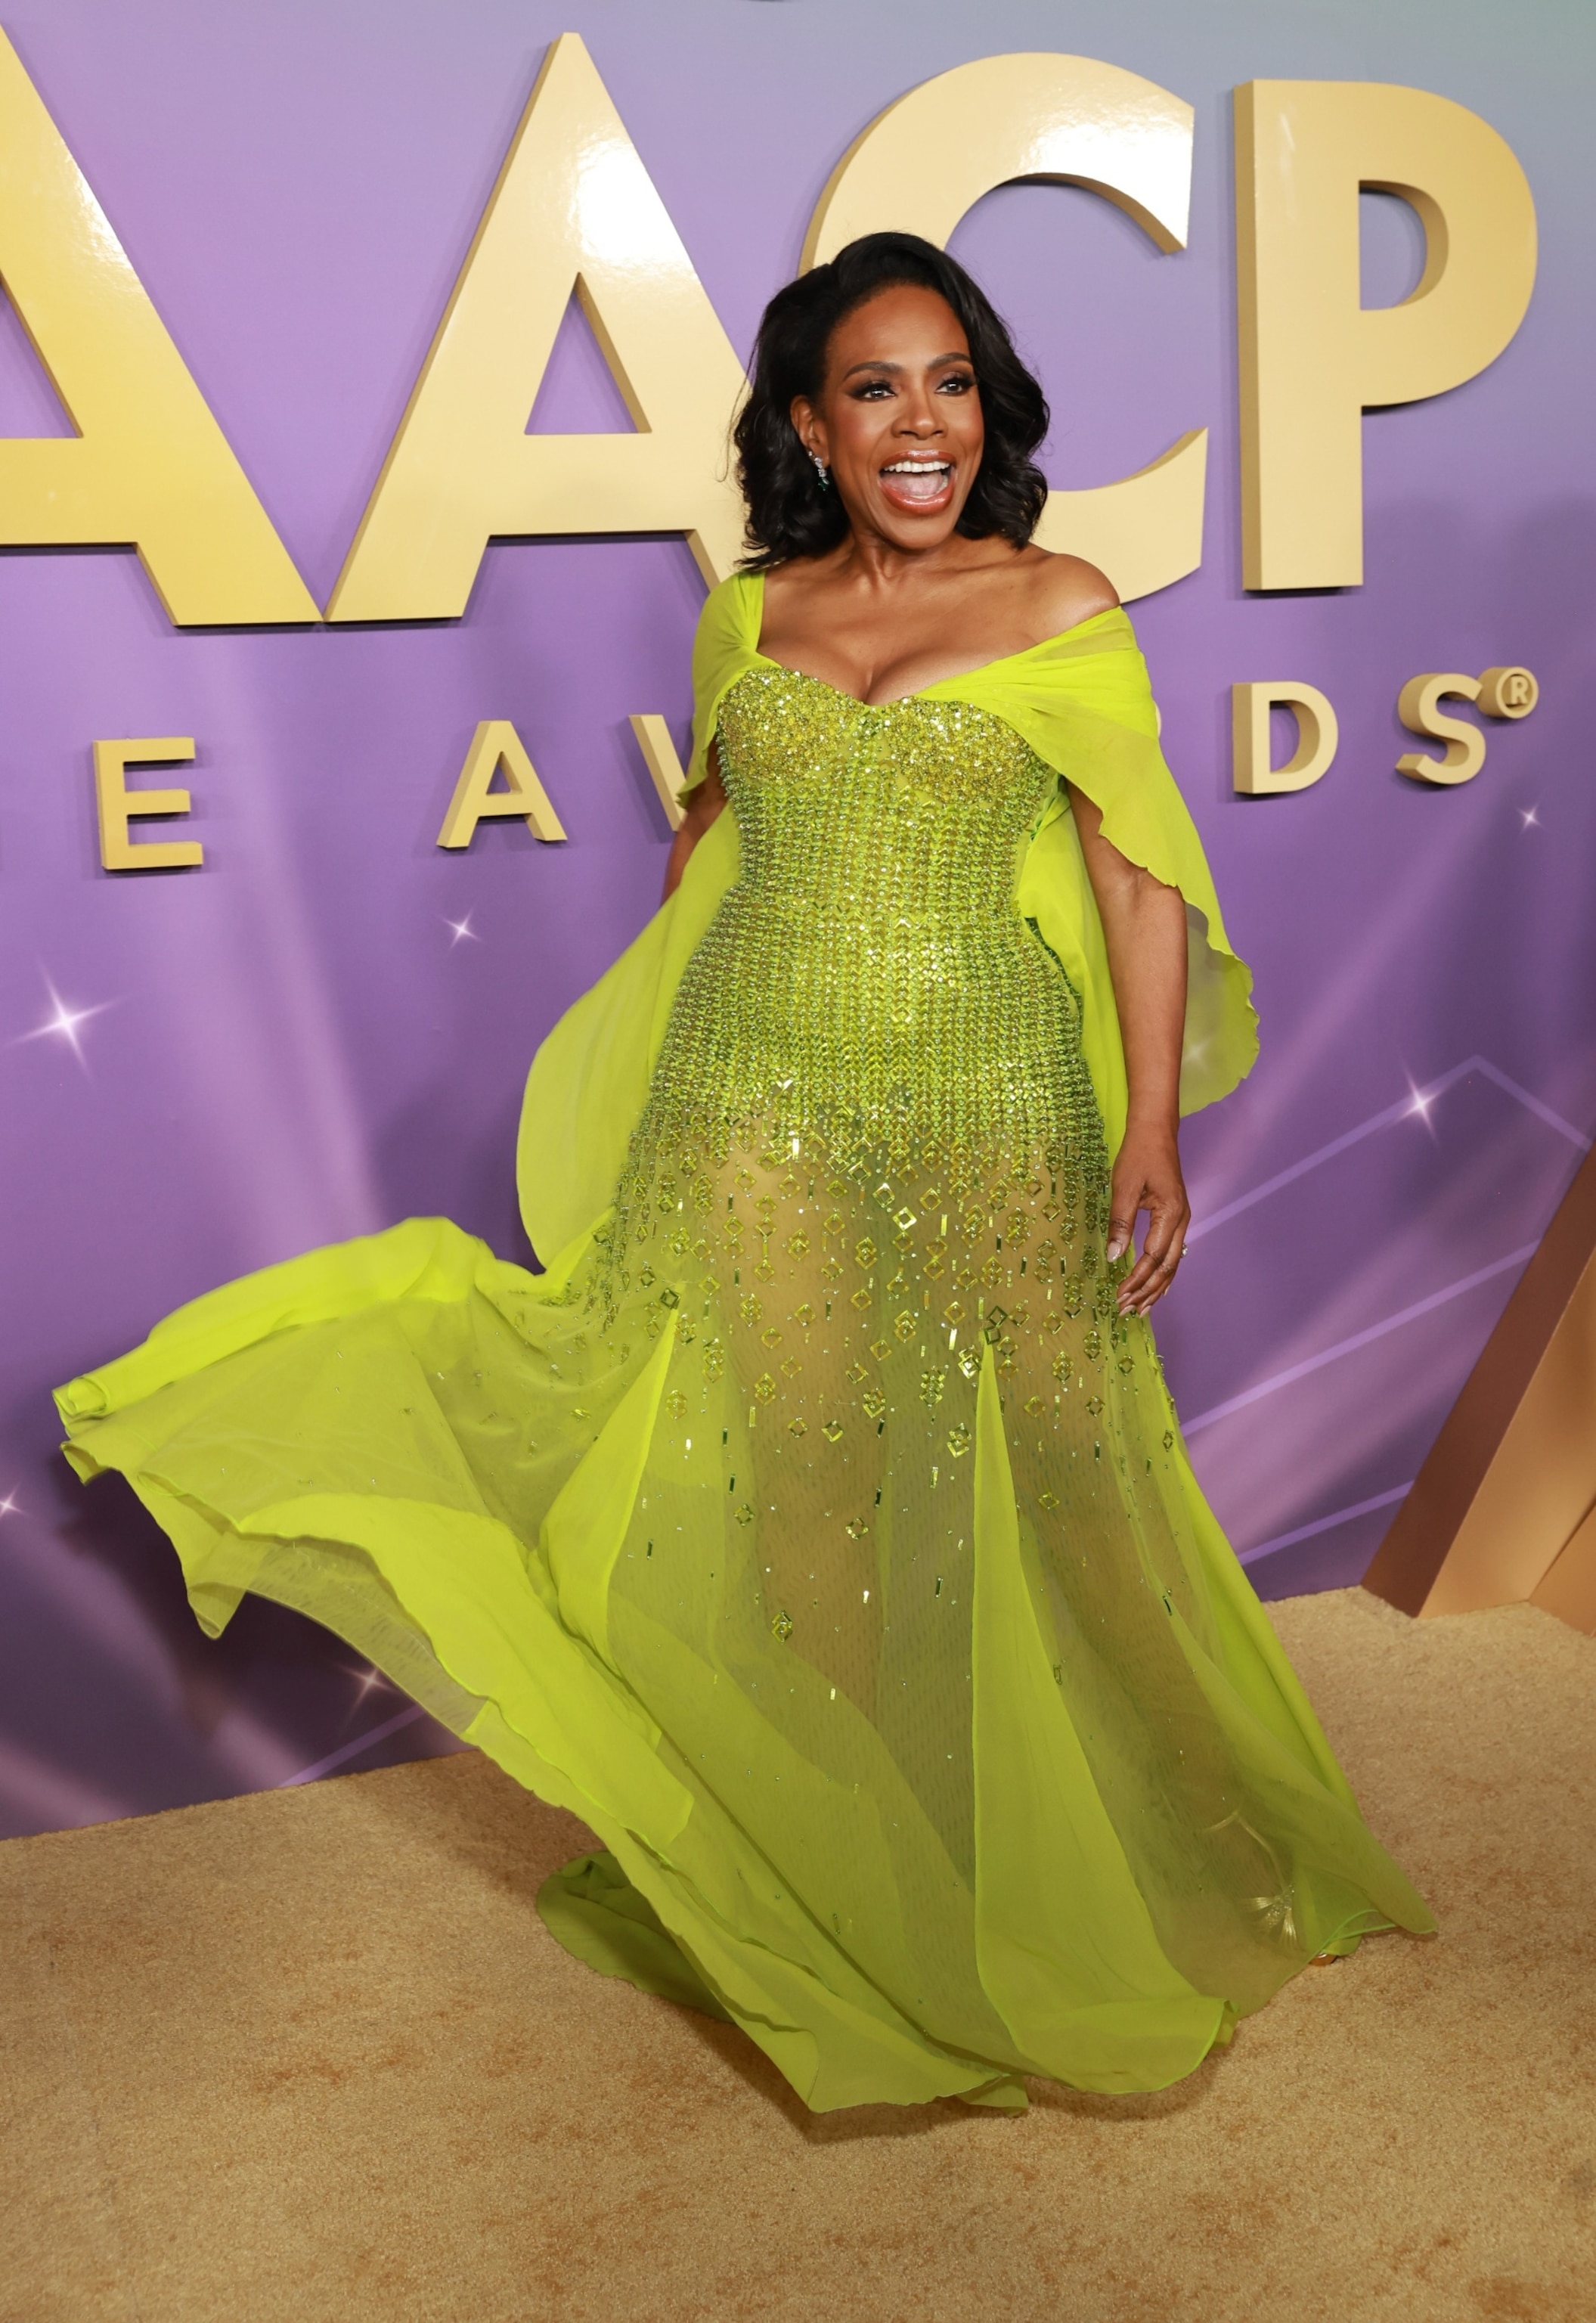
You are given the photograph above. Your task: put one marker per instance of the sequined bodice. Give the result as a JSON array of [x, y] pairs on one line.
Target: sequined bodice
[[867, 993], [867, 813], [869, 964]]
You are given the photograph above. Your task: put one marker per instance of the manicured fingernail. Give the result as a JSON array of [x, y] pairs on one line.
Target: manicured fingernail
[[1114, 1250]]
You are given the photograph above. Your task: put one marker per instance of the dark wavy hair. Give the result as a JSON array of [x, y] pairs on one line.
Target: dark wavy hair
[[789, 513]]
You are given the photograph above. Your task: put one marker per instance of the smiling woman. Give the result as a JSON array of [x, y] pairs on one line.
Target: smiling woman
[[817, 1526], [780, 432]]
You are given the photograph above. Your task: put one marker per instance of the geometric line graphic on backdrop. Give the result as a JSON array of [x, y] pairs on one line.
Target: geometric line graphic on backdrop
[[339, 1757], [1418, 1102], [1326, 1524], [1359, 1339]]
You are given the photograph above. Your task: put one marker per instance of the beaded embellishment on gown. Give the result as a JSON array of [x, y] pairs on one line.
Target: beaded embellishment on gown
[[818, 1529], [871, 1154]]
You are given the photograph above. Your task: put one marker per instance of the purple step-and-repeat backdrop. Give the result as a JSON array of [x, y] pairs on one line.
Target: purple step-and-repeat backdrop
[[325, 1029]]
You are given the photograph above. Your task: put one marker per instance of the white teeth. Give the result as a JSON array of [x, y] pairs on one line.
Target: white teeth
[[917, 468]]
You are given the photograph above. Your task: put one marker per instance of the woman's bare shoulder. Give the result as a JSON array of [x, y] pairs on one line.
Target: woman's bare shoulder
[[1065, 591]]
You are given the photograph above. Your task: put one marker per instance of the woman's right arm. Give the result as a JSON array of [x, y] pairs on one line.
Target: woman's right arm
[[703, 807]]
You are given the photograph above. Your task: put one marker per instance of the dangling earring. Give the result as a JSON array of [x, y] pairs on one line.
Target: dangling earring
[[822, 471]]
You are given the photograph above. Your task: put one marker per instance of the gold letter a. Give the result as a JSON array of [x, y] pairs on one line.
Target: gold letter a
[[149, 463], [573, 208]]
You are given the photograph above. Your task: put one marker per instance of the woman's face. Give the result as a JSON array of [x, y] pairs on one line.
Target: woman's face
[[898, 421]]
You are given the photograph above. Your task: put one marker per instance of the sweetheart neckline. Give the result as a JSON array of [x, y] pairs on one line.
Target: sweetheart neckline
[[898, 702], [999, 661]]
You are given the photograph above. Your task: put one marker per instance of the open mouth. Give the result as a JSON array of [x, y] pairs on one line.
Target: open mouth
[[917, 483]]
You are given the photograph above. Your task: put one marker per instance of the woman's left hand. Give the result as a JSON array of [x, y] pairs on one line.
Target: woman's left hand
[[1147, 1177]]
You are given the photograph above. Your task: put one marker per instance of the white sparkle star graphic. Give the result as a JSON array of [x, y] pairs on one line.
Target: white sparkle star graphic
[[462, 932], [369, 1680], [1419, 1110], [63, 1022], [11, 1506], [1530, 817]]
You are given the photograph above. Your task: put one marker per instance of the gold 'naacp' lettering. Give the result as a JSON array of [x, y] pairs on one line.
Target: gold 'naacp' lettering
[[1067, 120], [148, 465], [574, 210], [1312, 356]]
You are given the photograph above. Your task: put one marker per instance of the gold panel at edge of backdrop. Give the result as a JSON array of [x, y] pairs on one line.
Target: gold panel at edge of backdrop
[[1504, 1509]]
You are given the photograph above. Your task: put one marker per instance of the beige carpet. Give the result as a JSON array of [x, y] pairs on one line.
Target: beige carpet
[[310, 2058]]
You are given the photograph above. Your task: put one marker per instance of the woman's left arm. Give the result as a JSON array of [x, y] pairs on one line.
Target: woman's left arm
[[1144, 928]]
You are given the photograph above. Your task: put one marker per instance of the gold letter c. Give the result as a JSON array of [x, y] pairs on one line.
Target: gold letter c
[[1068, 120]]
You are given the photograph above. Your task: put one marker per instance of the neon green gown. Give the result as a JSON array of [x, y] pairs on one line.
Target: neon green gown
[[814, 1527]]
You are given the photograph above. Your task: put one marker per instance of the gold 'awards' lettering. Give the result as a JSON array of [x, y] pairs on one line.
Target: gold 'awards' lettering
[[148, 464], [1312, 357], [1503, 691], [1070, 120], [574, 209], [117, 807], [1508, 690], [1418, 706], [665, 771], [1316, 737], [496, 747]]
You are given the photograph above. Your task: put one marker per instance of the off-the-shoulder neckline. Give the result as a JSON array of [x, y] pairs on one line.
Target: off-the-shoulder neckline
[[920, 693]]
